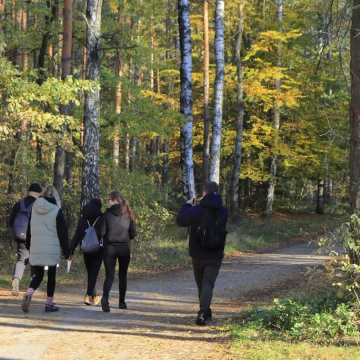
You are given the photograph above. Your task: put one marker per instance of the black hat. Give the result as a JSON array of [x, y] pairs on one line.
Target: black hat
[[35, 187]]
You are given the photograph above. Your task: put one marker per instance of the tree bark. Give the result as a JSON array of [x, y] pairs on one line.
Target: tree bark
[[186, 98], [239, 124], [276, 121], [118, 99], [206, 148], [355, 107], [60, 154], [90, 176], [215, 151]]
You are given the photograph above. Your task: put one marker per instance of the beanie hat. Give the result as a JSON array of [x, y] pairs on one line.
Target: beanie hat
[[35, 187]]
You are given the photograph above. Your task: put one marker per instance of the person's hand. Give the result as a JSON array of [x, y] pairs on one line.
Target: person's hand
[[191, 201]]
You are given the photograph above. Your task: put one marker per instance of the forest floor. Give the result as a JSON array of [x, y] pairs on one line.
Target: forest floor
[[160, 321]]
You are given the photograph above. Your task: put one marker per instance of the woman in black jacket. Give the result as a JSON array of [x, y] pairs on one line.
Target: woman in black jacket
[[117, 229], [91, 215]]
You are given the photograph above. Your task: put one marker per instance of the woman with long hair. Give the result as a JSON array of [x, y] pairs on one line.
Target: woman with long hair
[[47, 238], [91, 215], [117, 229]]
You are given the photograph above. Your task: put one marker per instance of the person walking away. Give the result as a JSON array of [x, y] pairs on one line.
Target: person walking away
[[47, 237], [91, 215], [117, 229], [18, 222], [207, 222]]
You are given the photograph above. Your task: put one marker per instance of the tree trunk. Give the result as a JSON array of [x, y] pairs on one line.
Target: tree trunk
[[219, 92], [90, 176], [206, 148], [276, 122], [127, 152], [60, 155], [355, 108], [320, 197], [118, 99], [239, 124], [186, 98]]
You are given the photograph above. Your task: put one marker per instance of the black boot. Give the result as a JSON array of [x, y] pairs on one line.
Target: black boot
[[105, 305], [208, 315], [201, 318], [122, 305]]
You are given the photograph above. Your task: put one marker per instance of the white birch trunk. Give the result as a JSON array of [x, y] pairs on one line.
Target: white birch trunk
[[90, 176], [276, 121], [215, 152], [234, 191], [206, 149], [186, 98]]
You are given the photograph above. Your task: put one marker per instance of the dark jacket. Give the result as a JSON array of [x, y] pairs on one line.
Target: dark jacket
[[117, 229], [90, 213], [192, 216], [29, 200], [61, 229]]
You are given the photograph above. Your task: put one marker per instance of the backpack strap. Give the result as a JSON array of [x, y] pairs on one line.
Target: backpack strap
[[96, 220]]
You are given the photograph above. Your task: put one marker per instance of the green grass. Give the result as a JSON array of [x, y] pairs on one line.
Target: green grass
[[250, 344], [254, 232]]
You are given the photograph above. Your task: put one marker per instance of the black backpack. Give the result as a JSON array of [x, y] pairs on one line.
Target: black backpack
[[22, 219], [212, 230]]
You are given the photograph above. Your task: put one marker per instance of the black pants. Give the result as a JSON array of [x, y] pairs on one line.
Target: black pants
[[92, 264], [37, 275], [22, 258], [205, 272], [113, 253]]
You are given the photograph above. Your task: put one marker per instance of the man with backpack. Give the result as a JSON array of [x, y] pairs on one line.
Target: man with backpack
[[18, 222], [207, 222]]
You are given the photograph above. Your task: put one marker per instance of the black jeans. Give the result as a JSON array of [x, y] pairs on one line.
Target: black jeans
[[205, 272], [22, 258], [92, 264], [113, 253], [37, 275]]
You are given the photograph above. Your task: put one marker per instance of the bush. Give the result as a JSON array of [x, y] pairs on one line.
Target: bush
[[322, 319]]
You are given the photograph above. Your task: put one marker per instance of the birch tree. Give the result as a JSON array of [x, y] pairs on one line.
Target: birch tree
[[355, 107], [206, 149], [239, 124], [219, 91], [186, 97], [276, 119], [90, 176]]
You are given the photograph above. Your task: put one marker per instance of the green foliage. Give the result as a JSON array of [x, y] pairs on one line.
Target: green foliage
[[323, 319]]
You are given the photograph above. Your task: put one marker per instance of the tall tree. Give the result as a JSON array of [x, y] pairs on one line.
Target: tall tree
[[239, 123], [60, 155], [186, 97], [206, 149], [355, 107], [219, 92], [276, 118], [90, 176]]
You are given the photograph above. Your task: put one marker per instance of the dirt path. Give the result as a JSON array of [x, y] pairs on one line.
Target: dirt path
[[159, 322]]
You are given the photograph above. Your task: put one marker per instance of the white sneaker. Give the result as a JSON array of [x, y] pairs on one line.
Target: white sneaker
[[15, 285]]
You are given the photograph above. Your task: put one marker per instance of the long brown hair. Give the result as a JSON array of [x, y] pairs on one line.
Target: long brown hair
[[125, 208]]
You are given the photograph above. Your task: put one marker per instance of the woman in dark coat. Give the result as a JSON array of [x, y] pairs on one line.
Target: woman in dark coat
[[91, 215], [118, 228]]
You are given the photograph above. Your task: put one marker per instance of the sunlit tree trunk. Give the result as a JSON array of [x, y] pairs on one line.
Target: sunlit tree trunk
[[186, 98], [276, 121], [118, 100], [90, 176], [355, 107], [239, 123], [206, 149], [215, 151]]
